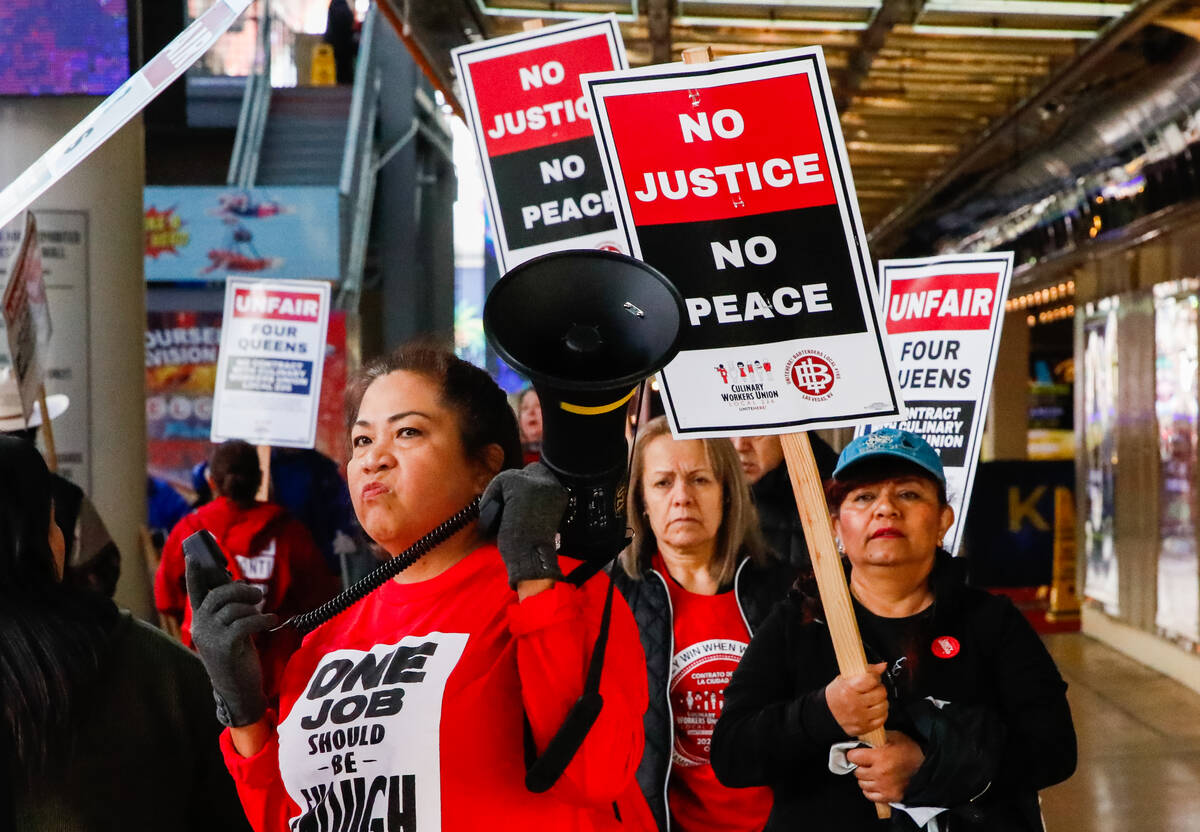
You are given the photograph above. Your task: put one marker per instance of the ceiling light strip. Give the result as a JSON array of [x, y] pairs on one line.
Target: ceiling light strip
[[767, 23], [549, 14], [773, 5], [1002, 32], [1067, 8]]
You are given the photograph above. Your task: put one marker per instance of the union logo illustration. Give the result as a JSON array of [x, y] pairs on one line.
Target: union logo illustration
[[813, 374]]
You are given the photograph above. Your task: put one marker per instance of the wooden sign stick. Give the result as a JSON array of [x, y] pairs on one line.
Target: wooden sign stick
[[814, 516], [827, 566], [47, 431], [264, 465]]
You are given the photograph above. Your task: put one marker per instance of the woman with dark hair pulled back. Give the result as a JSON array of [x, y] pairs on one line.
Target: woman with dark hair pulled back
[[420, 706], [267, 547]]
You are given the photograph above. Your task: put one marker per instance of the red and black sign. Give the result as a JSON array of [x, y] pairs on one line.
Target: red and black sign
[[732, 182], [533, 132]]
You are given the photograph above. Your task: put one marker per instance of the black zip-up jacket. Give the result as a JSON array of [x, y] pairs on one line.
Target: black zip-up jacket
[[1006, 733], [757, 588]]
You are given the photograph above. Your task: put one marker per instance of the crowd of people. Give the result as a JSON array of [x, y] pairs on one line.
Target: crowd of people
[[718, 704]]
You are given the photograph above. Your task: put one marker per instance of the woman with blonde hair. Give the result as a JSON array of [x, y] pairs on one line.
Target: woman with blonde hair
[[699, 580]]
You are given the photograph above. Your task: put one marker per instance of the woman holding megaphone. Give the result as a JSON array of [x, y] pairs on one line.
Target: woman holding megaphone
[[699, 580], [419, 707]]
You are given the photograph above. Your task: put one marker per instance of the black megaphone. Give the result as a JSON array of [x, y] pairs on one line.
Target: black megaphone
[[587, 327]]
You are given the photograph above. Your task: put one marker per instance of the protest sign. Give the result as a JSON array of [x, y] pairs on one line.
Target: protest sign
[[27, 318], [532, 127], [731, 178], [66, 359], [269, 367], [943, 317]]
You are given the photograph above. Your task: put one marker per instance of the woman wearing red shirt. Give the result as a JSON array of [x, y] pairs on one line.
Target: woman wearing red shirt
[[266, 546], [699, 580], [412, 710]]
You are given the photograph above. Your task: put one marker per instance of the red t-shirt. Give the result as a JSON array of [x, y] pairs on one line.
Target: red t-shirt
[[406, 712], [710, 639]]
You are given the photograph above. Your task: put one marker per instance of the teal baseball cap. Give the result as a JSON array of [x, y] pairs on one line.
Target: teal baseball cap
[[889, 442]]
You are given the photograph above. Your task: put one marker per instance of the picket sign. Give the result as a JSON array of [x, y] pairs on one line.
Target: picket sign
[[809, 493]]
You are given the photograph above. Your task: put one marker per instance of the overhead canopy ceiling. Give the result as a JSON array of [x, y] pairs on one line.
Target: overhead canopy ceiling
[[933, 94]]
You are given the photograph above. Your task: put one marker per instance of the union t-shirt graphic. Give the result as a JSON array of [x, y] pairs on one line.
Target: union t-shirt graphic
[[699, 674], [362, 741], [710, 638]]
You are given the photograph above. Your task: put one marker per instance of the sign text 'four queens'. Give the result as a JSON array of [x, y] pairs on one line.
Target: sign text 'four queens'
[[943, 317], [271, 361], [533, 133], [732, 180]]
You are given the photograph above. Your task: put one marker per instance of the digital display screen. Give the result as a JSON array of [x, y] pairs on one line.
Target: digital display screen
[[63, 47]]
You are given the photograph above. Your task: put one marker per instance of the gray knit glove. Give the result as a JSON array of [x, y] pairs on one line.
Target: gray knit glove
[[224, 617], [532, 503]]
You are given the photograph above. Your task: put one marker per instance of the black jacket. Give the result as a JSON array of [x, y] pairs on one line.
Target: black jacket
[[1006, 733], [776, 504], [758, 589]]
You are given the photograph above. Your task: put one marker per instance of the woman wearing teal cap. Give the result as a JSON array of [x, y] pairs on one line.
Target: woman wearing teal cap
[[975, 710]]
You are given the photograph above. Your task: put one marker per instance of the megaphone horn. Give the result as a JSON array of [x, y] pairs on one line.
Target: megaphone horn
[[586, 327]]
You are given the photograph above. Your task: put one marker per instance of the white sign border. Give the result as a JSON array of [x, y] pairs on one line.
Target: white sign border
[[501, 47], [780, 64], [232, 283]]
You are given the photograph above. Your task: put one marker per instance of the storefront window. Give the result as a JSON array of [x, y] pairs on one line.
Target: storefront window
[[1177, 409], [1100, 451]]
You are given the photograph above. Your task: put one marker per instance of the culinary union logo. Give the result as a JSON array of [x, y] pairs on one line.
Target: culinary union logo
[[813, 374]]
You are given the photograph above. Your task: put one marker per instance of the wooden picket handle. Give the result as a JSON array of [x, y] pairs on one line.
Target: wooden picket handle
[[814, 516], [827, 566], [264, 465]]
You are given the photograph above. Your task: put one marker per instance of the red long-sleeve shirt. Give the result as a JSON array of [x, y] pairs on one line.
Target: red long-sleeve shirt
[[406, 712]]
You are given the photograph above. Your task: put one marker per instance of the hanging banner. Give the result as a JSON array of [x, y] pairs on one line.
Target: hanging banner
[[27, 317], [270, 364], [943, 317], [126, 102], [199, 233], [732, 179], [532, 127]]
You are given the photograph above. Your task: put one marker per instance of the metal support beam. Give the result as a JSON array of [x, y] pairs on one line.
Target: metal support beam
[[892, 13], [658, 16], [883, 236]]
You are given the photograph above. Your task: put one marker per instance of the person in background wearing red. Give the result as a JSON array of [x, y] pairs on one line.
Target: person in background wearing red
[[699, 580], [529, 419], [266, 546], [416, 707]]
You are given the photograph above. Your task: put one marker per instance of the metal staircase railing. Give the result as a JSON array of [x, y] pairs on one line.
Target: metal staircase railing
[[252, 120], [360, 167]]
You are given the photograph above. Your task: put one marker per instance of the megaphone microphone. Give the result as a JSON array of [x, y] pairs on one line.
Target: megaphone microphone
[[586, 327]]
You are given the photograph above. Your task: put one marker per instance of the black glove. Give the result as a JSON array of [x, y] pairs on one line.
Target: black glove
[[532, 502], [224, 617]]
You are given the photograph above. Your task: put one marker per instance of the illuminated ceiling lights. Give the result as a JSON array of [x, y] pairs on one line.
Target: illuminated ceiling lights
[[1041, 297], [1028, 7]]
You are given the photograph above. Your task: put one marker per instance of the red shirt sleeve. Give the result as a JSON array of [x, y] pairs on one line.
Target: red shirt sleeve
[[259, 784], [555, 632]]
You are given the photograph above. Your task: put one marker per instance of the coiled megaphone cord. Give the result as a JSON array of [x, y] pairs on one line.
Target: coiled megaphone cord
[[377, 577]]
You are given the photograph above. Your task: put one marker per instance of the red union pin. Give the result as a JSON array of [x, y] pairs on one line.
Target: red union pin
[[945, 647]]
